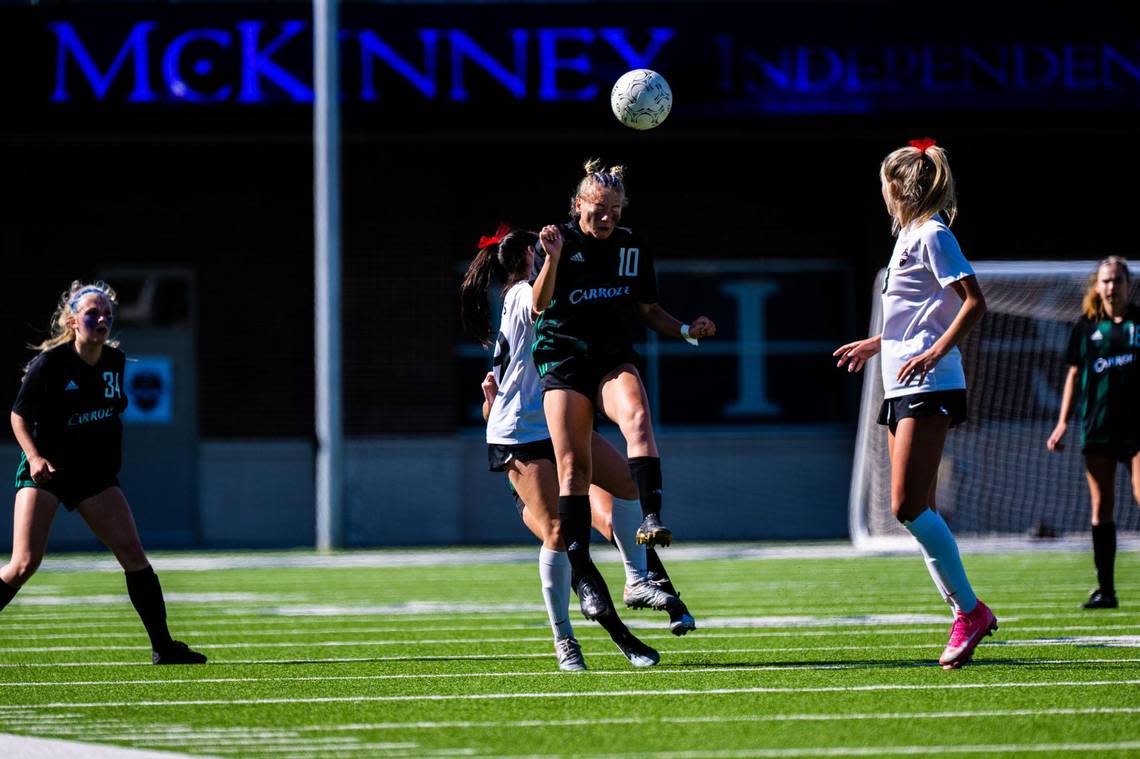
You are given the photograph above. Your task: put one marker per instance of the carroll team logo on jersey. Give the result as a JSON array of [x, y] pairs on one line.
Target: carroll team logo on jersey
[[1101, 364], [598, 293]]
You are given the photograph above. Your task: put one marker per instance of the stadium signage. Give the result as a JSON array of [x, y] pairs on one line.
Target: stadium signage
[[262, 61]]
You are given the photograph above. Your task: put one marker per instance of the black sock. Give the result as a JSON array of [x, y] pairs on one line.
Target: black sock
[[146, 595], [1104, 555], [646, 473], [658, 573], [574, 513], [7, 593]]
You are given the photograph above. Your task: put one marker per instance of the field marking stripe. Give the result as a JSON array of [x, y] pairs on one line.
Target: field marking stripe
[[879, 750], [551, 673], [589, 694], [533, 655], [757, 633]]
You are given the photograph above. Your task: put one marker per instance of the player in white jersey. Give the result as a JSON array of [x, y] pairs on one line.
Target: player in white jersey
[[519, 444], [931, 300]]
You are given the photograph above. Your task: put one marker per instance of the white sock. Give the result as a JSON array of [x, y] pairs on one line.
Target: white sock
[[942, 559], [626, 520], [554, 572]]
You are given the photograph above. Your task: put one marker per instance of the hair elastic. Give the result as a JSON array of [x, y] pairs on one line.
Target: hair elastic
[[503, 230]]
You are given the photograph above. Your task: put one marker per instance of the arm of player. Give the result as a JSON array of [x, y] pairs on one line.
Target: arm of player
[[856, 354], [973, 306], [543, 291], [41, 469], [1054, 443], [490, 390], [662, 322]]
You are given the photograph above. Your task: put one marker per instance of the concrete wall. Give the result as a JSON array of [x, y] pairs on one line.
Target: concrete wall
[[765, 484]]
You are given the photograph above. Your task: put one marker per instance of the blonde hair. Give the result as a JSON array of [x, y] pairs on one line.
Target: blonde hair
[[1092, 305], [597, 179], [919, 184], [61, 329]]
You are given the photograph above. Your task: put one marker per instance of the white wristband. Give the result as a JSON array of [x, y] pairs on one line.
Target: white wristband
[[685, 334]]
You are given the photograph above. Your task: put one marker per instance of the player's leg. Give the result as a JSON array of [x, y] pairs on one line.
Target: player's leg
[[1100, 472], [915, 455], [109, 516], [622, 397], [614, 488], [536, 485], [31, 524], [570, 418]]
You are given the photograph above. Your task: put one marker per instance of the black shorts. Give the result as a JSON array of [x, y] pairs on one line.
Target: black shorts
[[582, 374], [71, 488], [499, 455], [1122, 452], [951, 403]]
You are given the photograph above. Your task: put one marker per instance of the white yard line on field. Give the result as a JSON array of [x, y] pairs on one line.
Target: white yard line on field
[[575, 694], [22, 747], [465, 675]]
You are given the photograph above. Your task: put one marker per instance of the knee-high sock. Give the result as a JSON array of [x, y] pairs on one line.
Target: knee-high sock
[[942, 559], [657, 571], [646, 473], [7, 593], [146, 595], [930, 567], [1104, 555], [626, 520], [554, 572], [574, 512]]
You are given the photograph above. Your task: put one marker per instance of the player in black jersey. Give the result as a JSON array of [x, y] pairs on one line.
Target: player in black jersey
[[66, 420], [1104, 356], [596, 285]]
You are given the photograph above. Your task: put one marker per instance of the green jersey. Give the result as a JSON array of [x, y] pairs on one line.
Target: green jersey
[[1107, 357]]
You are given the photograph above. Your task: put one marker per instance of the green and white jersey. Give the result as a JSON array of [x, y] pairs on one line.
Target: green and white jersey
[[1107, 357], [597, 289]]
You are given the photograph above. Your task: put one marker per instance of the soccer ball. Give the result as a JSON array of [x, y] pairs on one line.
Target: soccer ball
[[641, 99]]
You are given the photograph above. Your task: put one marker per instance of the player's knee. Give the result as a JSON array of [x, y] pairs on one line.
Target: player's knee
[[906, 509], [636, 427], [24, 566], [575, 473]]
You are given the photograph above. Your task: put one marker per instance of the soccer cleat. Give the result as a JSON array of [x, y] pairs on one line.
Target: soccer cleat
[[592, 600], [569, 654], [645, 594], [653, 533], [177, 652], [965, 635], [639, 654], [1100, 599], [681, 621]]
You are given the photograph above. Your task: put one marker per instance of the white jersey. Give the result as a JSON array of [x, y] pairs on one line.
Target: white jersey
[[516, 415], [919, 305]]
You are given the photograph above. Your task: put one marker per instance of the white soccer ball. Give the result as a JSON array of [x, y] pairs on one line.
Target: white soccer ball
[[641, 99]]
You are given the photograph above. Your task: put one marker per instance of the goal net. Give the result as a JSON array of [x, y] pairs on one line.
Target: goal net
[[997, 479]]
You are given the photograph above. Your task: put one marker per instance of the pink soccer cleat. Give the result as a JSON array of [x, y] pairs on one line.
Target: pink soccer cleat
[[965, 635]]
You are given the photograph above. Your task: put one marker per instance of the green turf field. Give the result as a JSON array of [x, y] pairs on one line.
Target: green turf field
[[793, 657]]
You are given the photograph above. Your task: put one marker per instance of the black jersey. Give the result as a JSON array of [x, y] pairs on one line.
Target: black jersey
[[74, 409], [1107, 356], [597, 289]]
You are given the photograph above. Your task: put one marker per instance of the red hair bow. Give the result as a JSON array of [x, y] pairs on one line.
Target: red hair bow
[[500, 233], [923, 144]]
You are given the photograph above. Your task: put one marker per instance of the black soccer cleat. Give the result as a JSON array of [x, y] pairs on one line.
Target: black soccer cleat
[[594, 602], [681, 622], [1100, 599], [177, 652], [653, 533], [631, 647]]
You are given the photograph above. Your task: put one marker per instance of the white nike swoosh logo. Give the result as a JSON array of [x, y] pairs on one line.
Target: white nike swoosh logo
[[915, 405]]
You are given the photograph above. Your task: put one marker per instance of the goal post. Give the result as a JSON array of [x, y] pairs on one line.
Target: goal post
[[997, 480]]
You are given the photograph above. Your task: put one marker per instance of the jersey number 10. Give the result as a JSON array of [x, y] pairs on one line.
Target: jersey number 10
[[627, 261]]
